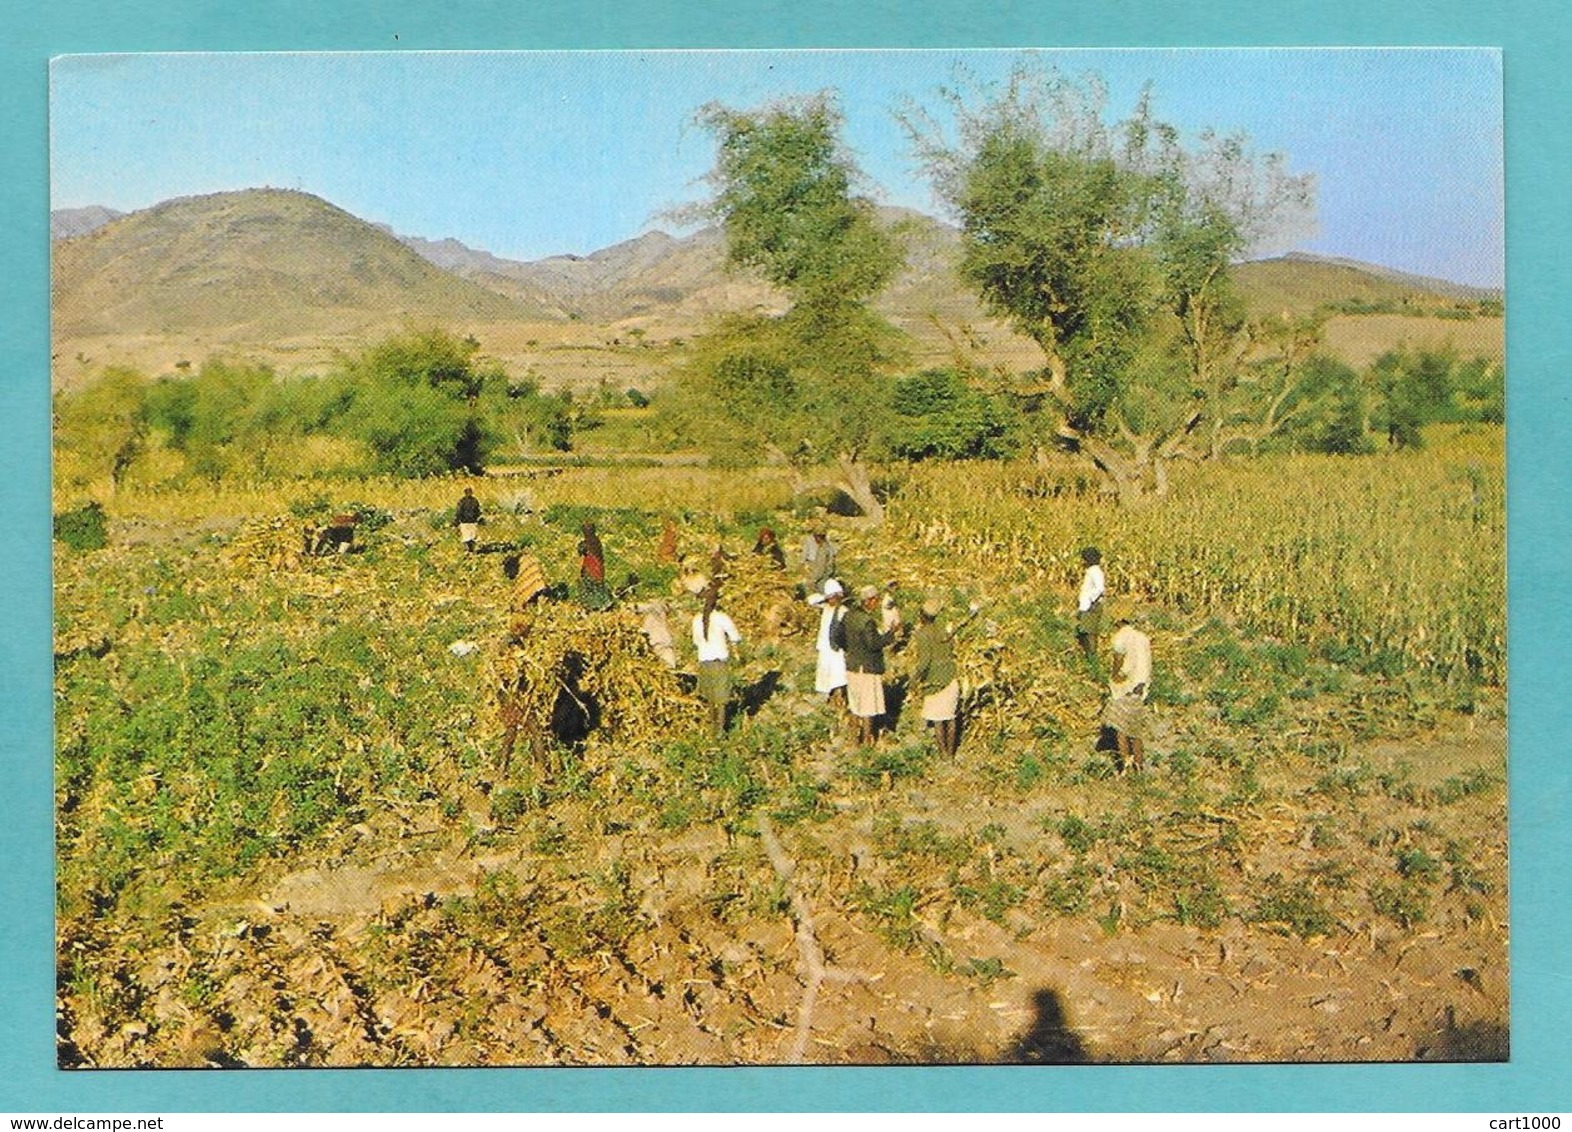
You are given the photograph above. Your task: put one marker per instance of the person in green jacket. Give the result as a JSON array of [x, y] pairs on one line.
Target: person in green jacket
[[864, 644], [934, 674]]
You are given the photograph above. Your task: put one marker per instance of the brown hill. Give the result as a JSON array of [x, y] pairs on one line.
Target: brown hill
[[290, 278], [686, 277], [255, 263], [1300, 283]]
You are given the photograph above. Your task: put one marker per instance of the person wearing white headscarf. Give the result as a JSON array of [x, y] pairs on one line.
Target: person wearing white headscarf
[[829, 677]]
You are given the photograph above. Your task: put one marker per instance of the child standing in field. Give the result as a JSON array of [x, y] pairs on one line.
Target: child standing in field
[[1089, 603], [713, 635]]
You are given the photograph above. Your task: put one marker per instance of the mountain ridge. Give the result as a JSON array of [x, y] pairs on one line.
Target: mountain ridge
[[260, 258], [582, 274], [296, 277]]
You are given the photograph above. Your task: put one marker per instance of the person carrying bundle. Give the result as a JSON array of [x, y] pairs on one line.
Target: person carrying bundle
[[656, 627], [528, 578], [1125, 713]]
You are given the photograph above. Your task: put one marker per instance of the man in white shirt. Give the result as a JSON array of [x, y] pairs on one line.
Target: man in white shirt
[[1127, 690], [713, 634], [1089, 603]]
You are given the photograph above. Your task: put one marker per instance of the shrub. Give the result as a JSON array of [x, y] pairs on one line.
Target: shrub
[[83, 529]]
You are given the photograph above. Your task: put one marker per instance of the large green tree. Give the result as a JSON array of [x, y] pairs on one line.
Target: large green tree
[[808, 385], [1109, 243]]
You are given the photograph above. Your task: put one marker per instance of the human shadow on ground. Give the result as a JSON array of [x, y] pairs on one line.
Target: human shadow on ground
[[1474, 1041], [753, 696], [1050, 1040], [895, 699]]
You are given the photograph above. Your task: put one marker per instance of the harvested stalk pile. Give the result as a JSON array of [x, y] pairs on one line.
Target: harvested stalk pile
[[597, 664], [266, 543], [1008, 690], [762, 599]]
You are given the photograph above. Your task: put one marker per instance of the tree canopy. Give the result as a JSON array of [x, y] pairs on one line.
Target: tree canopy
[[783, 191], [812, 383], [1109, 243]]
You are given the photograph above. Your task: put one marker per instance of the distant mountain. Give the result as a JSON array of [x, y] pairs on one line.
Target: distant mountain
[[66, 223], [1300, 282], [687, 278], [653, 271], [268, 261], [264, 265]]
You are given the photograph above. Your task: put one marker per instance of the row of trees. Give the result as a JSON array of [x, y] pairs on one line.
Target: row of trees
[[1108, 243], [416, 404]]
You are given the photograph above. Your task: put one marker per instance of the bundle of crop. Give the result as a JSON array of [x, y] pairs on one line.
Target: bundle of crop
[[604, 664], [762, 599], [1008, 689], [271, 543]]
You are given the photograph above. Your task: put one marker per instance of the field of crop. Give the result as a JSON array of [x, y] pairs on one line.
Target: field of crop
[[286, 835]]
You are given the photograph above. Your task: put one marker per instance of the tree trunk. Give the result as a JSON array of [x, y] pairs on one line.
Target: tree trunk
[[857, 485]]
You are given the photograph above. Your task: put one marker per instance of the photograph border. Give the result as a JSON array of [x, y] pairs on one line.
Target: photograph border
[[1538, 100]]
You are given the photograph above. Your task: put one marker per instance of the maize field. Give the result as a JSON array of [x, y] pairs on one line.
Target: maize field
[[287, 833]]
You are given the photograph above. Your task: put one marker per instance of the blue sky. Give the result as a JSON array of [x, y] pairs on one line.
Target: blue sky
[[534, 154]]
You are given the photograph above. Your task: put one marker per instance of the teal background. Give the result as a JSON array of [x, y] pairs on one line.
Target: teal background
[[1538, 50]]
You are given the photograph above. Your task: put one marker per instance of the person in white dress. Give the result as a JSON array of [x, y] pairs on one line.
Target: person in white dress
[[829, 678]]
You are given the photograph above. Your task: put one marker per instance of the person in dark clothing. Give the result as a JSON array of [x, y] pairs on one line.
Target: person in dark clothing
[[935, 674], [592, 570], [769, 547], [337, 536], [864, 644], [466, 517]]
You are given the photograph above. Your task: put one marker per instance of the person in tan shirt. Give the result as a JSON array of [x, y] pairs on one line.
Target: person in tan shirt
[[1125, 712]]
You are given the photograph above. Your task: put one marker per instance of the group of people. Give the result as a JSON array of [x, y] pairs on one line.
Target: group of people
[[853, 636], [855, 632]]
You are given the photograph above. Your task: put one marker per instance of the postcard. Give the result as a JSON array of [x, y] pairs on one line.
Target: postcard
[[807, 558]]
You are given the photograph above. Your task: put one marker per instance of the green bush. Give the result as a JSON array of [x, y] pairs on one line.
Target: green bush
[[1292, 907], [83, 529], [939, 416]]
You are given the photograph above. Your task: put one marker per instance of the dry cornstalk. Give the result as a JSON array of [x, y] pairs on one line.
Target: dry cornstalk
[[815, 970]]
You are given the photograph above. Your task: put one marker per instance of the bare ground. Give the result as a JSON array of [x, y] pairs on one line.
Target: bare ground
[[410, 946]]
